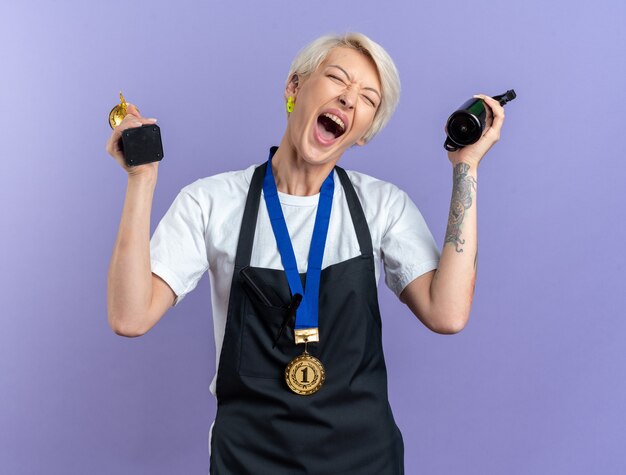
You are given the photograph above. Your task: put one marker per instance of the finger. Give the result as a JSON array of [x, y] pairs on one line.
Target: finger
[[132, 109], [494, 105], [488, 111], [133, 112], [498, 115], [139, 121], [131, 121], [128, 122], [498, 118]]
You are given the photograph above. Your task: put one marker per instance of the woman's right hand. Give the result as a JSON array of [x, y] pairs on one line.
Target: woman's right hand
[[133, 119]]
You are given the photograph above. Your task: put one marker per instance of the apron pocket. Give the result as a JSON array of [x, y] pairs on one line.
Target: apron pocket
[[261, 324]]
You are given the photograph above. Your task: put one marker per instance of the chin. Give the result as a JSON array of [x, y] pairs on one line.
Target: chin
[[316, 154]]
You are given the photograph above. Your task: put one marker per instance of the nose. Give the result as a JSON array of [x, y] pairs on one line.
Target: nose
[[347, 99]]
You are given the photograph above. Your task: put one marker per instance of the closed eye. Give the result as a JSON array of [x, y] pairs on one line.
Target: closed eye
[[336, 78], [372, 103]]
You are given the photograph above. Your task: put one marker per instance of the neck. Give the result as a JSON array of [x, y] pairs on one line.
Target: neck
[[294, 175]]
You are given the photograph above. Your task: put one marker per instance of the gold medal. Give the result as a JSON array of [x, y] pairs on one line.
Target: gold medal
[[305, 374], [118, 113]]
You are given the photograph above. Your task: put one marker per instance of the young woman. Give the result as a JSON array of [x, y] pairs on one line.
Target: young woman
[[293, 247]]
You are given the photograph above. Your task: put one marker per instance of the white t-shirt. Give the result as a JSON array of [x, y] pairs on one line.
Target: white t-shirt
[[200, 231]]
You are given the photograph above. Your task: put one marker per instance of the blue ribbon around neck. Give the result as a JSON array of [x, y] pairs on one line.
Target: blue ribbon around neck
[[307, 312]]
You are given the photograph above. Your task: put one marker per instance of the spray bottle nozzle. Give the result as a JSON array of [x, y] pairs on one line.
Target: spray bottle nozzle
[[508, 96]]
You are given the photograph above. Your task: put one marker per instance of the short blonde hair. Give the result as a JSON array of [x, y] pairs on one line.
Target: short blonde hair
[[312, 55]]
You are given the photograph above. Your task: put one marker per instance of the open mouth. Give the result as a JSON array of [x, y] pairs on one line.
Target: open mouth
[[330, 126]]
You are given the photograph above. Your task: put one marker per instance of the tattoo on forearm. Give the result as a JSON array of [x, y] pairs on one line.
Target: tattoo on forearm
[[461, 201]]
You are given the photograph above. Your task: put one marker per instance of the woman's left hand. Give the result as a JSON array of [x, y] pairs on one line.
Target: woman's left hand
[[473, 154]]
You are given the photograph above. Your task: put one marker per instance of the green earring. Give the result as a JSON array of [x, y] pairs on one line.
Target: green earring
[[290, 103]]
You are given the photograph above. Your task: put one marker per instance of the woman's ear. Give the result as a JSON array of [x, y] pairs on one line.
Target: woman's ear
[[292, 87]]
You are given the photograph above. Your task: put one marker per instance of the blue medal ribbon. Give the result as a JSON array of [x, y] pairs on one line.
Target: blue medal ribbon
[[307, 312]]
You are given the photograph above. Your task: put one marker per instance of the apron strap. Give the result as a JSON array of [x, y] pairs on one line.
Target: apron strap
[[250, 214], [251, 211], [356, 211]]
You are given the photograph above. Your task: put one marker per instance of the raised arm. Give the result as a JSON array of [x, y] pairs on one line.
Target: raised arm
[[132, 307], [442, 299]]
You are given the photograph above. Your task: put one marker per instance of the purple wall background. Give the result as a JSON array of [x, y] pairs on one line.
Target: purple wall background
[[535, 384]]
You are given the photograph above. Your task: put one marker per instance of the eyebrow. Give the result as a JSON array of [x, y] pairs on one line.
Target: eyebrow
[[350, 79]]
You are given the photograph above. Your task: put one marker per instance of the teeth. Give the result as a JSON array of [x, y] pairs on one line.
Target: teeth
[[335, 119]]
